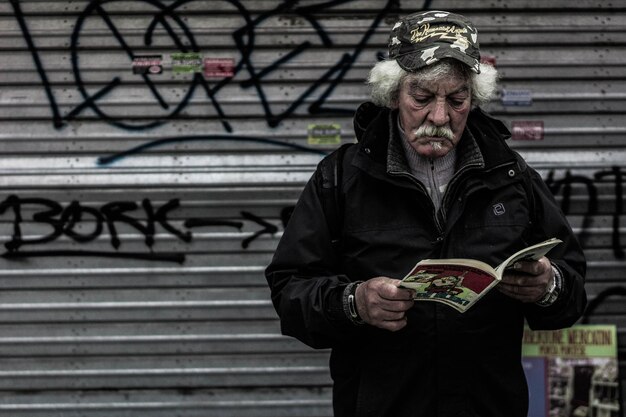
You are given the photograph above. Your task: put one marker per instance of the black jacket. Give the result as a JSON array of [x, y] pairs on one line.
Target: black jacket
[[443, 363]]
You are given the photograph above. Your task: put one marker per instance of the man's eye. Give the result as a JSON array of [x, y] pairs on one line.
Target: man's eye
[[456, 102], [421, 99]]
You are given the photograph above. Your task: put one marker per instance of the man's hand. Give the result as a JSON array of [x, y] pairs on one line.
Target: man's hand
[[528, 281], [381, 303]]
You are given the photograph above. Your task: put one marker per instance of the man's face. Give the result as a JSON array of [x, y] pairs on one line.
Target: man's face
[[433, 114]]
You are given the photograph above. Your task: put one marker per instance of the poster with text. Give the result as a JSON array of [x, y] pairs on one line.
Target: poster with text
[[572, 372]]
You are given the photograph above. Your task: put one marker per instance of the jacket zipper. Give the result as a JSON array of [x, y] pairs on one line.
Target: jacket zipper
[[451, 188], [421, 188]]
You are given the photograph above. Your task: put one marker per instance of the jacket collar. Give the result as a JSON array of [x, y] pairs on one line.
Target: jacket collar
[[373, 130], [491, 135], [483, 143]]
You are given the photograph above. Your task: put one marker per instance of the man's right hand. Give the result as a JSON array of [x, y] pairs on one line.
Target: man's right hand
[[381, 303]]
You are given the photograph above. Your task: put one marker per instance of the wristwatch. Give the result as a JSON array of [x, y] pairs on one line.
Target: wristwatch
[[553, 292]]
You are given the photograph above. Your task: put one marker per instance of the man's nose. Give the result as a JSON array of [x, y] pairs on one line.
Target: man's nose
[[438, 115]]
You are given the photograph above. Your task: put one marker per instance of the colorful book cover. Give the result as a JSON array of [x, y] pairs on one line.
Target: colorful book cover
[[459, 286]]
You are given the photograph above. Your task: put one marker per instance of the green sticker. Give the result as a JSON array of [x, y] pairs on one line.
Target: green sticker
[[186, 62], [328, 134]]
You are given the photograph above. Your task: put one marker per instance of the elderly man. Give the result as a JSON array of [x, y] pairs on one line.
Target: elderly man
[[430, 177]]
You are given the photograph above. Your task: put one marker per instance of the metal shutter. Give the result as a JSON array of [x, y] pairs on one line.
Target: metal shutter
[[139, 210]]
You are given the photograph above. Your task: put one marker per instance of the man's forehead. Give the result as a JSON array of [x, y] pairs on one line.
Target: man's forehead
[[451, 85]]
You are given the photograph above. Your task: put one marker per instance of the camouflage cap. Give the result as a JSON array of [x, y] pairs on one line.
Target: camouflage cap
[[423, 38]]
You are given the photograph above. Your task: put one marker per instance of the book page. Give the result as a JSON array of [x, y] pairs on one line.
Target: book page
[[534, 252]]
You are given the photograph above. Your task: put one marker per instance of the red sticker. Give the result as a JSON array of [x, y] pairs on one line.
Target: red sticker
[[219, 67], [527, 130], [147, 64]]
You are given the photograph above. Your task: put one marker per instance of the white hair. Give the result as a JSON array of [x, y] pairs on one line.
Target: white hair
[[386, 77]]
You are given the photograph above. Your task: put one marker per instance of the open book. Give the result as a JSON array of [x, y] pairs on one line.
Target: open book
[[459, 283]]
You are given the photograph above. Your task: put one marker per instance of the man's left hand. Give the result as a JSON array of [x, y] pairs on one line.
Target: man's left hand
[[527, 281]]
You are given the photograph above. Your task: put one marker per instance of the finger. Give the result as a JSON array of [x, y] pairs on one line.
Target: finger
[[393, 325], [522, 267], [532, 267], [520, 289], [393, 292], [383, 315], [525, 294], [521, 280], [394, 305]]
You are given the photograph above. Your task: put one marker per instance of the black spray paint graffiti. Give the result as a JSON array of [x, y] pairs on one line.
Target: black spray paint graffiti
[[166, 19], [564, 186], [65, 221]]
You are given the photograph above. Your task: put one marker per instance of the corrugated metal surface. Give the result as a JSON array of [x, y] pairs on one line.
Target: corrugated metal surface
[[138, 212]]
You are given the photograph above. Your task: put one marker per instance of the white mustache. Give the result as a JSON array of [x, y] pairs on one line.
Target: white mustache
[[434, 131]]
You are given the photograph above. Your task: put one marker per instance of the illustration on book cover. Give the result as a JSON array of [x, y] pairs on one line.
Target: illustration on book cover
[[456, 285]]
